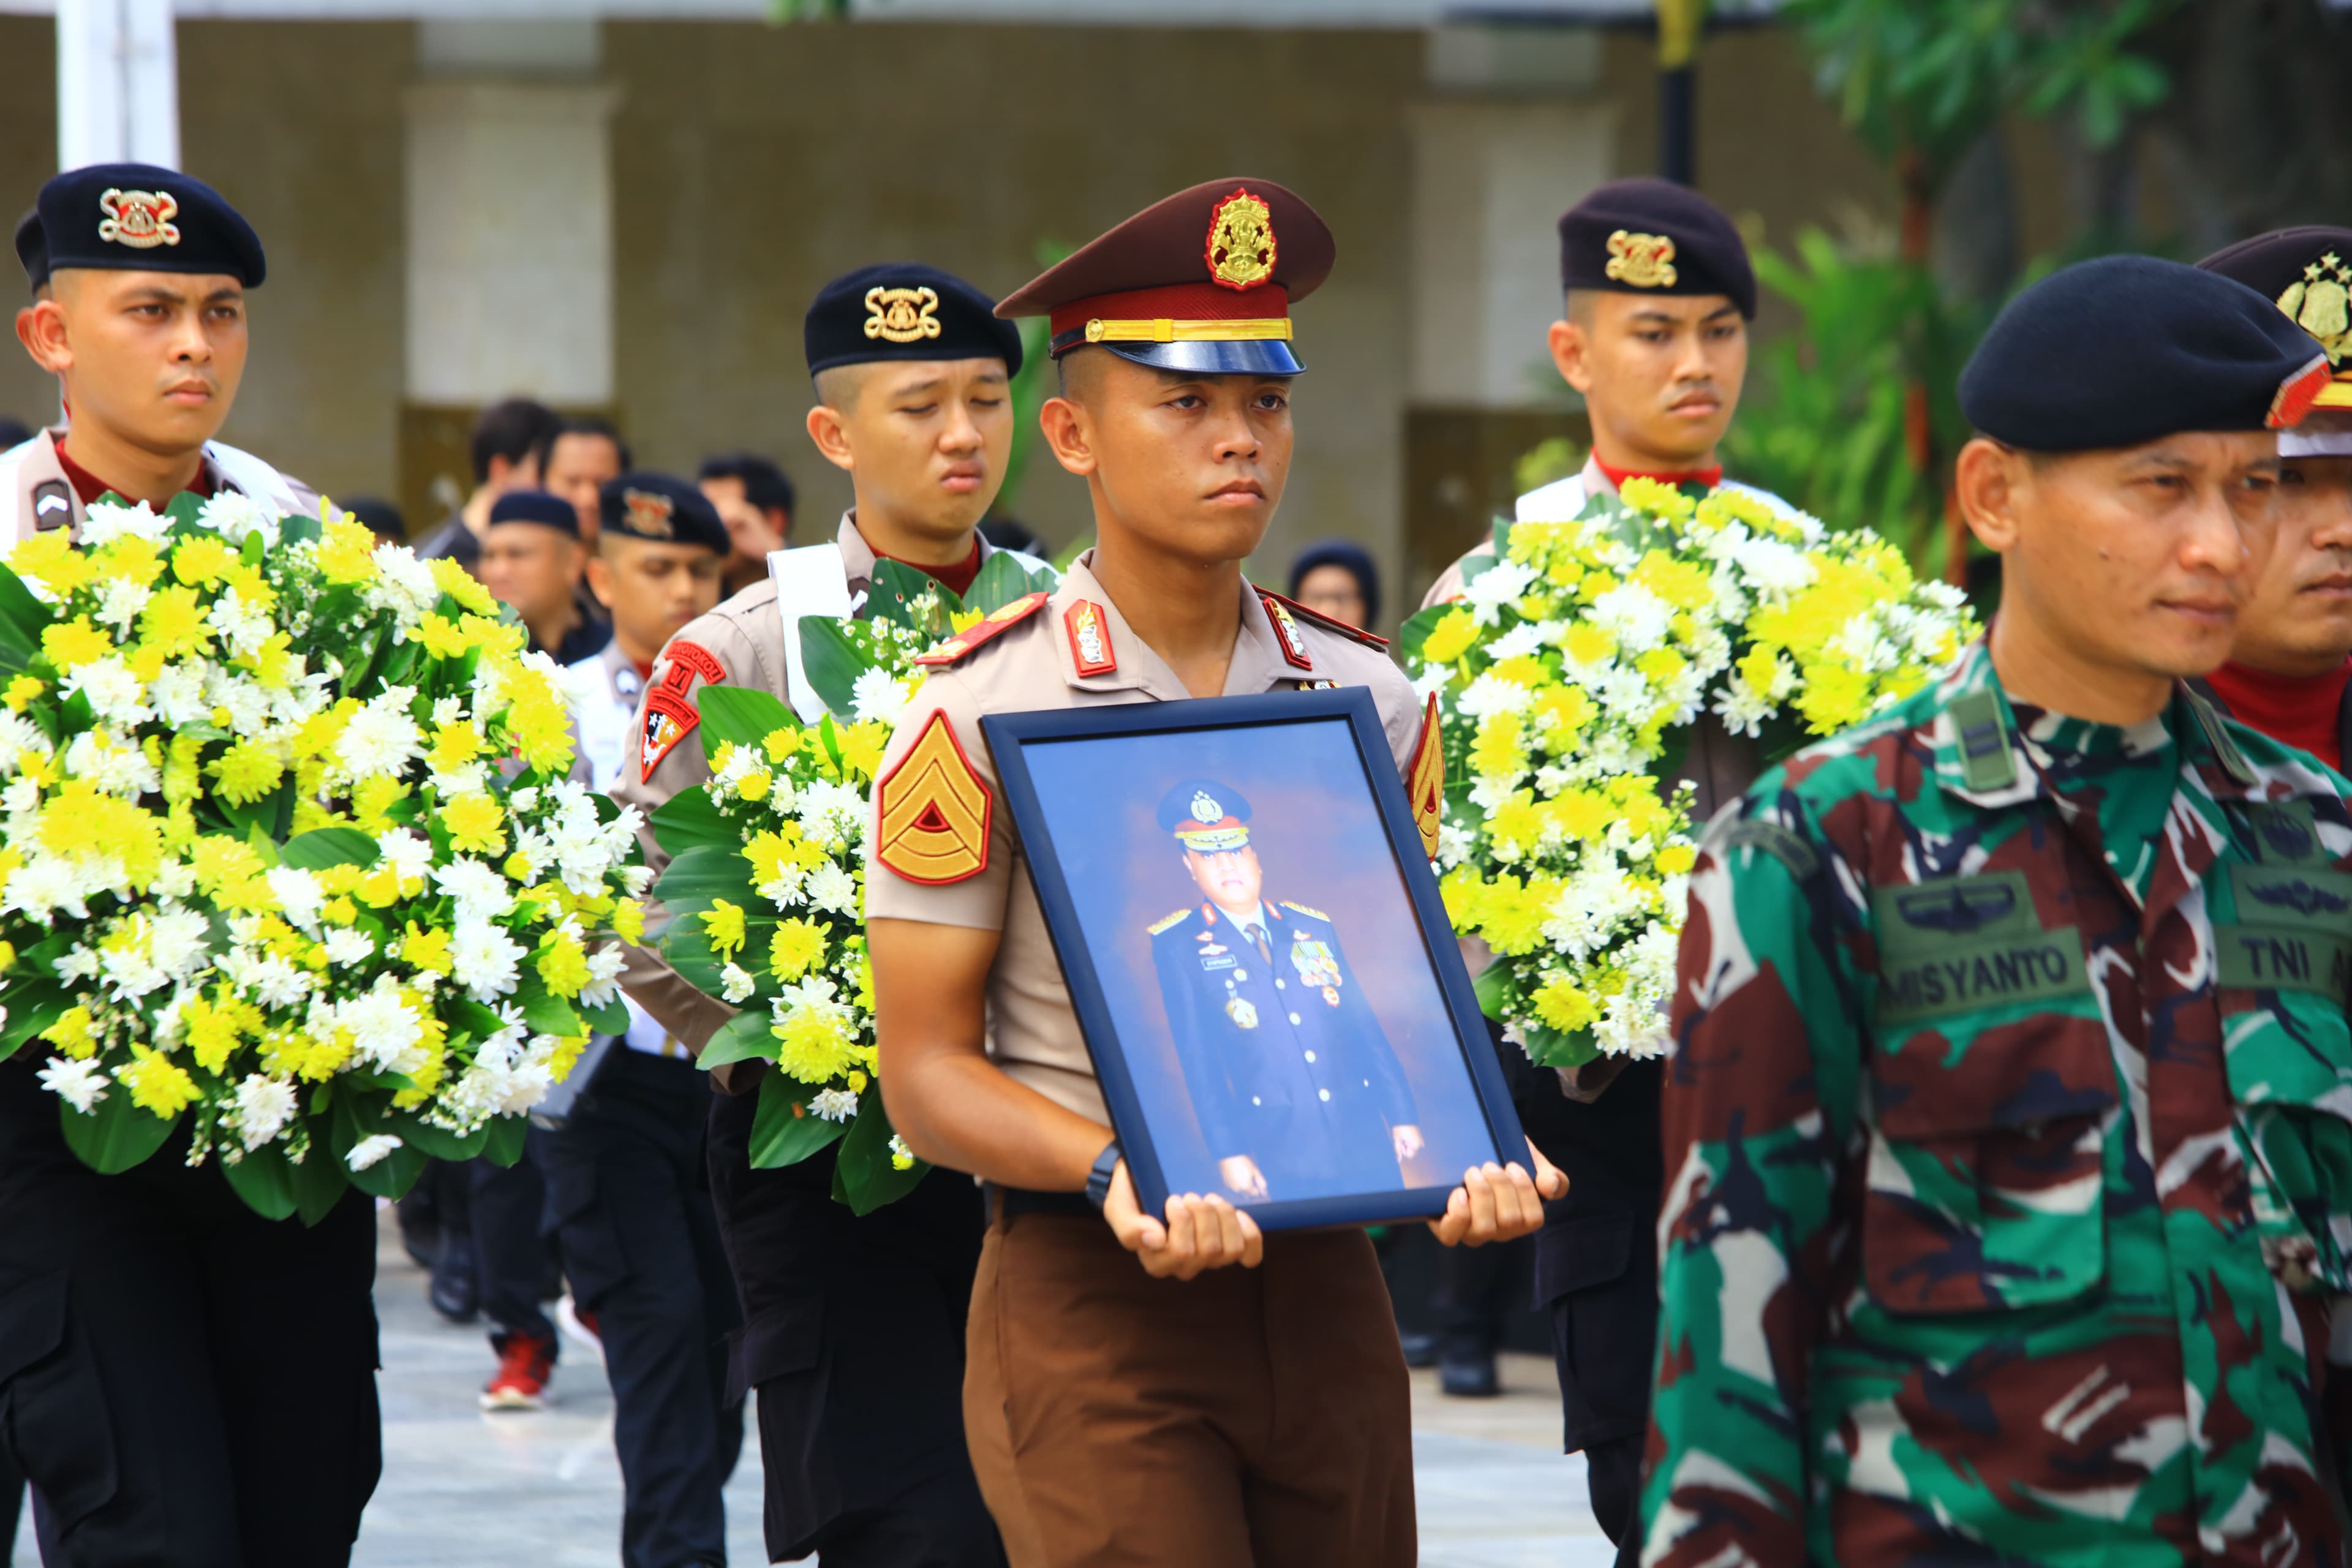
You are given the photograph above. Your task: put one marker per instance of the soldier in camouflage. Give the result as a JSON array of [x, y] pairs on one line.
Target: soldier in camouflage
[[2009, 1119]]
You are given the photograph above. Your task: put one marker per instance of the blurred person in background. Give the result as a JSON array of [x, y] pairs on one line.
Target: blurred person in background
[[1336, 577], [653, 568], [14, 433], [382, 519], [577, 459], [532, 559], [506, 436], [754, 498]]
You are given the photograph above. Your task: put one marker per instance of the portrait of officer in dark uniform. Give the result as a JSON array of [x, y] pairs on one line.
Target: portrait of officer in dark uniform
[[1296, 1089]]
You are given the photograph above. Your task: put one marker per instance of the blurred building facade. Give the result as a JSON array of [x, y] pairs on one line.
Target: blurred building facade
[[628, 213]]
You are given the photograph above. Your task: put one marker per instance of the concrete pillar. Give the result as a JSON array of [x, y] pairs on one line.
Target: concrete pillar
[[118, 83]]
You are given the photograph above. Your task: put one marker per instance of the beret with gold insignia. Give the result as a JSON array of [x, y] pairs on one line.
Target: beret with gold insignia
[[661, 508], [1201, 281], [138, 218], [2307, 273], [1649, 236], [905, 310]]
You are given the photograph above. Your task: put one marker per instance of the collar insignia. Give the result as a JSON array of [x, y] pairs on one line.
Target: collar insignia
[[1090, 649], [1241, 251], [902, 315], [139, 219], [1641, 261], [1285, 631]]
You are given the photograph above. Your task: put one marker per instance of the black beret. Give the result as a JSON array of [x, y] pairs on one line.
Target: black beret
[[536, 506], [665, 510], [33, 247], [137, 218], [2307, 273], [1206, 815], [1201, 281], [2125, 349], [905, 310], [1647, 236]]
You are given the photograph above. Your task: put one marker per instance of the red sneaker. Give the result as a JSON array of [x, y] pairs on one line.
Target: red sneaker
[[524, 1368]]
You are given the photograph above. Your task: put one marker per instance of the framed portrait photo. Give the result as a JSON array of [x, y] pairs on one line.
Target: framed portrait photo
[[1258, 954]]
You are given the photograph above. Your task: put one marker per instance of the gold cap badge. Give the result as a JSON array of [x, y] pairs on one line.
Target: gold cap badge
[[1641, 261], [2317, 302], [902, 315], [1240, 248], [139, 219], [649, 515]]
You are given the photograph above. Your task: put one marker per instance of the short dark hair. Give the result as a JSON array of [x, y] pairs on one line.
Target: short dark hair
[[583, 424], [765, 485], [512, 429]]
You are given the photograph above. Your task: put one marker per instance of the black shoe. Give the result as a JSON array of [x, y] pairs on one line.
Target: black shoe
[[1469, 1377], [1420, 1349], [452, 1291]]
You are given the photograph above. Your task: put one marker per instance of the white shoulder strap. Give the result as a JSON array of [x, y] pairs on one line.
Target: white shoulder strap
[[810, 581], [257, 479]]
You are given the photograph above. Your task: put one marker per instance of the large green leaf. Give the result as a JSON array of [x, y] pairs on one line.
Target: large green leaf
[[434, 1142], [894, 591], [22, 616], [318, 1180], [116, 1135], [612, 1018], [741, 1039], [832, 663], [40, 1005], [690, 819], [264, 1178], [782, 1131], [741, 715], [699, 875], [357, 1117], [323, 847], [543, 1010], [864, 1177], [507, 1136], [1002, 580]]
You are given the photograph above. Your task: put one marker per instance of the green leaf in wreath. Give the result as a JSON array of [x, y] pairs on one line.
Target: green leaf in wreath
[[43, 1004], [434, 1142], [1550, 1047], [264, 1178], [543, 1010], [783, 1132], [1002, 580], [116, 1135], [23, 617], [358, 1117], [894, 591], [699, 875], [504, 1145], [832, 663], [612, 1018], [739, 714], [690, 819], [318, 1181], [743, 1038], [864, 1176], [324, 846]]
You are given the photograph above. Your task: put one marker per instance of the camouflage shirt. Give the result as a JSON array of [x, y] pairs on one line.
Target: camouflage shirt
[[2009, 1171]]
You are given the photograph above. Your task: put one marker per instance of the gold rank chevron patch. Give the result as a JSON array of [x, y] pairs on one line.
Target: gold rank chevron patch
[[1425, 781], [934, 811]]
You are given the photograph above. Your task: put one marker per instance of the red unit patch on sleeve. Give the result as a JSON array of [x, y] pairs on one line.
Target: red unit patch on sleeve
[[668, 719]]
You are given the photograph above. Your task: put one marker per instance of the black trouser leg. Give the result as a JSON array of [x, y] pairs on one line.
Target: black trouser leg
[[508, 1204], [1613, 1471], [642, 1246], [12, 1505]]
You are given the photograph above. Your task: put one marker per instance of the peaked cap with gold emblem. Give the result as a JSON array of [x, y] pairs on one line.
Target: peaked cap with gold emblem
[[1203, 281], [137, 218], [1652, 237], [905, 310], [2307, 273]]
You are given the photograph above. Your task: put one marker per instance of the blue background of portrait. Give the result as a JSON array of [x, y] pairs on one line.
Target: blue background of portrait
[[1321, 843]]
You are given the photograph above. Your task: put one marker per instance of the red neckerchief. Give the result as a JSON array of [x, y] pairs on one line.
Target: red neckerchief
[[957, 578], [89, 486], [1710, 478], [2298, 709]]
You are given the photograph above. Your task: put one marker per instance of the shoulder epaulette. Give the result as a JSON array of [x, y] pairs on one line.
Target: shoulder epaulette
[[1311, 914], [990, 625], [1318, 618], [1169, 922], [1781, 842]]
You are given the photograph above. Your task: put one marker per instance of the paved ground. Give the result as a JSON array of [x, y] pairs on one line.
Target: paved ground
[[543, 1490]]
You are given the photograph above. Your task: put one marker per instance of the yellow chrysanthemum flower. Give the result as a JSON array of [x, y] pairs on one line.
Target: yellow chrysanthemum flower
[[22, 691], [459, 585], [722, 926], [564, 963], [246, 771], [796, 947], [75, 641], [1450, 638], [174, 622], [813, 1046], [51, 560], [158, 1084], [1675, 859], [346, 552], [71, 1034], [1560, 1003], [781, 745], [426, 950], [629, 920], [476, 824]]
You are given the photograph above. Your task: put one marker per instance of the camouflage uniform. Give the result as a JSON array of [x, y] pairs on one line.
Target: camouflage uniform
[[2009, 1173]]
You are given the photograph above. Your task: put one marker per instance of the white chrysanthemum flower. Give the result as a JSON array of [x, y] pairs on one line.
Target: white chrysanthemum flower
[[233, 516], [1503, 583], [1742, 710], [44, 883], [878, 694], [481, 891], [382, 737], [833, 1105], [275, 981], [119, 602], [736, 985], [346, 947], [525, 799], [80, 1084], [386, 1031], [264, 1106], [1639, 619], [636, 879], [95, 755], [1490, 693], [106, 521], [832, 887], [405, 587], [485, 959], [244, 627], [604, 976], [177, 695], [370, 1150], [830, 815], [300, 897], [1433, 678], [1525, 638], [80, 962], [1773, 568], [409, 854], [114, 690]]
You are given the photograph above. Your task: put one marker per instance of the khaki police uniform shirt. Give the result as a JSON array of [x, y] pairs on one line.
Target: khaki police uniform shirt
[[744, 638], [1034, 1032], [36, 496]]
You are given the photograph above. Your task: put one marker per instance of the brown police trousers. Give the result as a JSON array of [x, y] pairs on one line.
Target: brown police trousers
[[1247, 1416]]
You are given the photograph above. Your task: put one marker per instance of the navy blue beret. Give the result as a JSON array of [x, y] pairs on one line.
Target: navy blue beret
[[1648, 236], [137, 218], [33, 247], [2125, 349], [539, 507], [905, 310], [668, 510], [1205, 816]]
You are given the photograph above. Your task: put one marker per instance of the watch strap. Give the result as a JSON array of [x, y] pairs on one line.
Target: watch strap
[[1099, 1179]]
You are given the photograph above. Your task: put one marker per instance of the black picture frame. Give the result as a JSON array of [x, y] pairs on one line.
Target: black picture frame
[[1017, 739]]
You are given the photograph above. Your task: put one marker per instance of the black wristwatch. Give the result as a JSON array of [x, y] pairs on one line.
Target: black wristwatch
[[1099, 1179]]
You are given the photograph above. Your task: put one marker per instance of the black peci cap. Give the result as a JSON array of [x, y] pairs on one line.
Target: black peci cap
[[536, 507], [664, 509], [1647, 236], [905, 310], [2307, 273], [136, 217], [2125, 349]]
